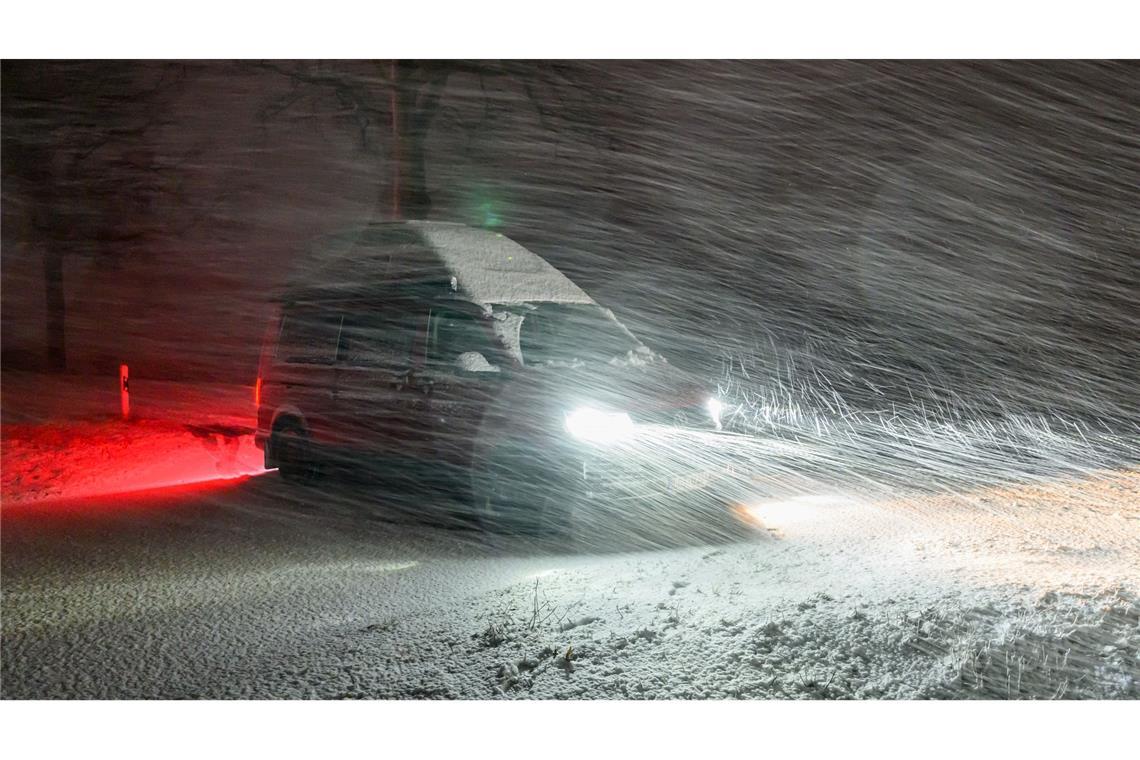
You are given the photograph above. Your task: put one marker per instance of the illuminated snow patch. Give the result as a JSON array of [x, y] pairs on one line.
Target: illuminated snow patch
[[86, 459], [772, 513]]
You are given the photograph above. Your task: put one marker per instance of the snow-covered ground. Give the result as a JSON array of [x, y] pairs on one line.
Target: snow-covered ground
[[63, 437], [78, 459], [253, 589], [879, 558]]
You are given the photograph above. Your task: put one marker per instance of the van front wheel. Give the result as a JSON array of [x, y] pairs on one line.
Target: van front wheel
[[509, 496]]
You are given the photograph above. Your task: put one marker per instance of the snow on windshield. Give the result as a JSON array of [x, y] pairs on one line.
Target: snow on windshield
[[491, 268], [558, 333]]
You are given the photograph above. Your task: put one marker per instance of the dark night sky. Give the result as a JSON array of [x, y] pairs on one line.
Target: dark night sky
[[988, 207]]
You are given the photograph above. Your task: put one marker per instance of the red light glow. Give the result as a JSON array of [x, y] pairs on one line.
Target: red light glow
[[48, 463]]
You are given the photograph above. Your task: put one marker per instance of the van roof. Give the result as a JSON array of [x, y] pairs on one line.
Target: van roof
[[487, 267]]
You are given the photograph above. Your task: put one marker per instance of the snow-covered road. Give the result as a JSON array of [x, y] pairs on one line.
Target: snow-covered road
[[249, 589]]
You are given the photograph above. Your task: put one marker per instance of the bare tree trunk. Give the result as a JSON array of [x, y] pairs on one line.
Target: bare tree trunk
[[415, 101], [417, 199], [56, 306], [397, 157]]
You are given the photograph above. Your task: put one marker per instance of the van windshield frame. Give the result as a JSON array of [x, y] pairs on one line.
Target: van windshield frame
[[551, 333]]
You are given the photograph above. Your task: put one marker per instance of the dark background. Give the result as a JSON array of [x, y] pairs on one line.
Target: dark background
[[946, 232]]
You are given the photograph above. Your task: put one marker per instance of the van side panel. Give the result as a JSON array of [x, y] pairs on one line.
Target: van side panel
[[379, 408], [298, 375]]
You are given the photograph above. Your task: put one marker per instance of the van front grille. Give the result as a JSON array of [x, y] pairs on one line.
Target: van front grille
[[694, 417]]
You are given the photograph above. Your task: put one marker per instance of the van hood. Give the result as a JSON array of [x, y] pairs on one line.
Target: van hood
[[653, 392]]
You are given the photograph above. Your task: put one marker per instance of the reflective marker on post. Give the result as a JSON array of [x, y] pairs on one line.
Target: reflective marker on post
[[125, 391]]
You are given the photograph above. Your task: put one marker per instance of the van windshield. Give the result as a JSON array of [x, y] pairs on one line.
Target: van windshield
[[560, 333]]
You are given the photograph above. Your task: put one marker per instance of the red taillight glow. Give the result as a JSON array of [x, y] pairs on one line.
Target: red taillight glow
[[257, 392], [98, 457]]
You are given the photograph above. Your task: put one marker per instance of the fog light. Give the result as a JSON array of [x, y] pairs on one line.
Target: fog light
[[715, 408]]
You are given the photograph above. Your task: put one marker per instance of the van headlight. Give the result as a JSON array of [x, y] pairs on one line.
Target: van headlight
[[715, 408], [595, 426]]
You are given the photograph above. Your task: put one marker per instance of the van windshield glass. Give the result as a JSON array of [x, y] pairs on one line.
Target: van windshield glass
[[558, 333]]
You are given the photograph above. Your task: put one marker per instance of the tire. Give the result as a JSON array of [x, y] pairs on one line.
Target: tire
[[511, 495], [294, 454]]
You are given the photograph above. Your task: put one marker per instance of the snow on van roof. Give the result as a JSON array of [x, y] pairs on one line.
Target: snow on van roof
[[491, 268], [487, 267]]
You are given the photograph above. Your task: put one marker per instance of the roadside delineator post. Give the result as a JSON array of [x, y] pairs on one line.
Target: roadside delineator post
[[125, 391]]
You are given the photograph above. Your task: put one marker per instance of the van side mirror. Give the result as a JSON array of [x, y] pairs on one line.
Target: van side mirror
[[473, 361]]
